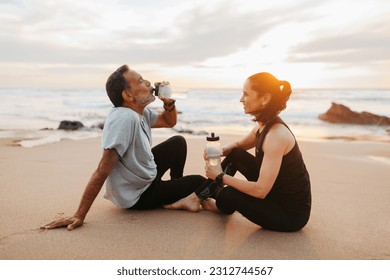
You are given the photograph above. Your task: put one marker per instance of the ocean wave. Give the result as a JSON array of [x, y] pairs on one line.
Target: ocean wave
[[204, 110]]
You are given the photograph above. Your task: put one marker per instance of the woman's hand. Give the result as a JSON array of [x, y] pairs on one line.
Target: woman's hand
[[205, 157], [211, 171]]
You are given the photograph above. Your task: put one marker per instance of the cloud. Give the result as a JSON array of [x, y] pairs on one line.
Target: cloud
[[193, 38], [73, 33], [204, 35], [367, 45]]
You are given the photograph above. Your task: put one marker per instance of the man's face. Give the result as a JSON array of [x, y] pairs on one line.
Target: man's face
[[141, 90]]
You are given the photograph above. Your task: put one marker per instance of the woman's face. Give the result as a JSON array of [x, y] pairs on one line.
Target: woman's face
[[252, 100]]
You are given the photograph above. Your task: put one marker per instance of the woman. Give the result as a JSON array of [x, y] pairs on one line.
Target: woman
[[276, 194]]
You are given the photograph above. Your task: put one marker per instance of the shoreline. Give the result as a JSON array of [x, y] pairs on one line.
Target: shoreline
[[36, 137], [349, 220]]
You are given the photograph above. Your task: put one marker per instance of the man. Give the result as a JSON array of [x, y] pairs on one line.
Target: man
[[131, 168]]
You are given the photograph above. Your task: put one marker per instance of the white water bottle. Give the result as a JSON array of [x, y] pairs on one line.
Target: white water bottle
[[213, 151], [165, 90]]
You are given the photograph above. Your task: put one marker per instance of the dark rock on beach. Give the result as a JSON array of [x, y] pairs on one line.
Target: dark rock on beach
[[180, 129], [339, 113], [98, 125], [70, 125]]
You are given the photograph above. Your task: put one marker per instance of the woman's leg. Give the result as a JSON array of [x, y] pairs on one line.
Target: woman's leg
[[171, 154], [243, 162], [263, 212], [238, 160]]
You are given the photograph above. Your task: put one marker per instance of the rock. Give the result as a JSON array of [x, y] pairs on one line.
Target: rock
[[183, 130], [98, 125], [202, 132], [70, 125], [180, 129], [339, 113]]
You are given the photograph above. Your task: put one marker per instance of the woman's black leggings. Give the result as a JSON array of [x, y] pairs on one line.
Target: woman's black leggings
[[263, 212], [237, 160], [169, 155]]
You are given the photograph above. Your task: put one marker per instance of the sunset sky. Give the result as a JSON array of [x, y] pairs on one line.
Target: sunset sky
[[200, 43]]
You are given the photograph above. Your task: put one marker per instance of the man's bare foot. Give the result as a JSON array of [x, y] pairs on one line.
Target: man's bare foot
[[190, 203], [210, 205]]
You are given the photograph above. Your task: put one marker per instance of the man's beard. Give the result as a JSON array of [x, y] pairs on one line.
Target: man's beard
[[145, 101]]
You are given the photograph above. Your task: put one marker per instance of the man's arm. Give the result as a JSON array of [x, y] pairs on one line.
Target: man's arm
[[168, 117], [106, 164]]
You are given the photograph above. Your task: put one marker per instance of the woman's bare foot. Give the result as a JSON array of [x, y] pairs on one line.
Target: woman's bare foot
[[210, 205], [190, 203]]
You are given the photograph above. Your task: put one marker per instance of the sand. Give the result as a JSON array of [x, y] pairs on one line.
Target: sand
[[350, 217]]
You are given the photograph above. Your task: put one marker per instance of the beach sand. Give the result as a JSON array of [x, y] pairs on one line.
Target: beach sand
[[350, 214]]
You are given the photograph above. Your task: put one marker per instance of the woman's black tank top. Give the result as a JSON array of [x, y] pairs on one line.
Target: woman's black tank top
[[291, 189]]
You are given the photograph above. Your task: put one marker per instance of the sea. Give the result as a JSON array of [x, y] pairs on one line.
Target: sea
[[33, 115]]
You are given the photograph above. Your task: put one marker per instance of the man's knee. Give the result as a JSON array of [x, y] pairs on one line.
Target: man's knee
[[179, 141], [199, 179]]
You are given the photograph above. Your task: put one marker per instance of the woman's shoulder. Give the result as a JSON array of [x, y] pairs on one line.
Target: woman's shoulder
[[280, 135], [279, 130]]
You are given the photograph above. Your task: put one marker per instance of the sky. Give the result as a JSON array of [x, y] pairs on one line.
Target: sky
[[195, 44]]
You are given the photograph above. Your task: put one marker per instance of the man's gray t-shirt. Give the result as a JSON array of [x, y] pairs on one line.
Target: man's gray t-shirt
[[130, 135]]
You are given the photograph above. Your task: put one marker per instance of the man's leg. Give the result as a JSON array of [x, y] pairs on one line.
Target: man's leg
[[171, 154], [162, 193]]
